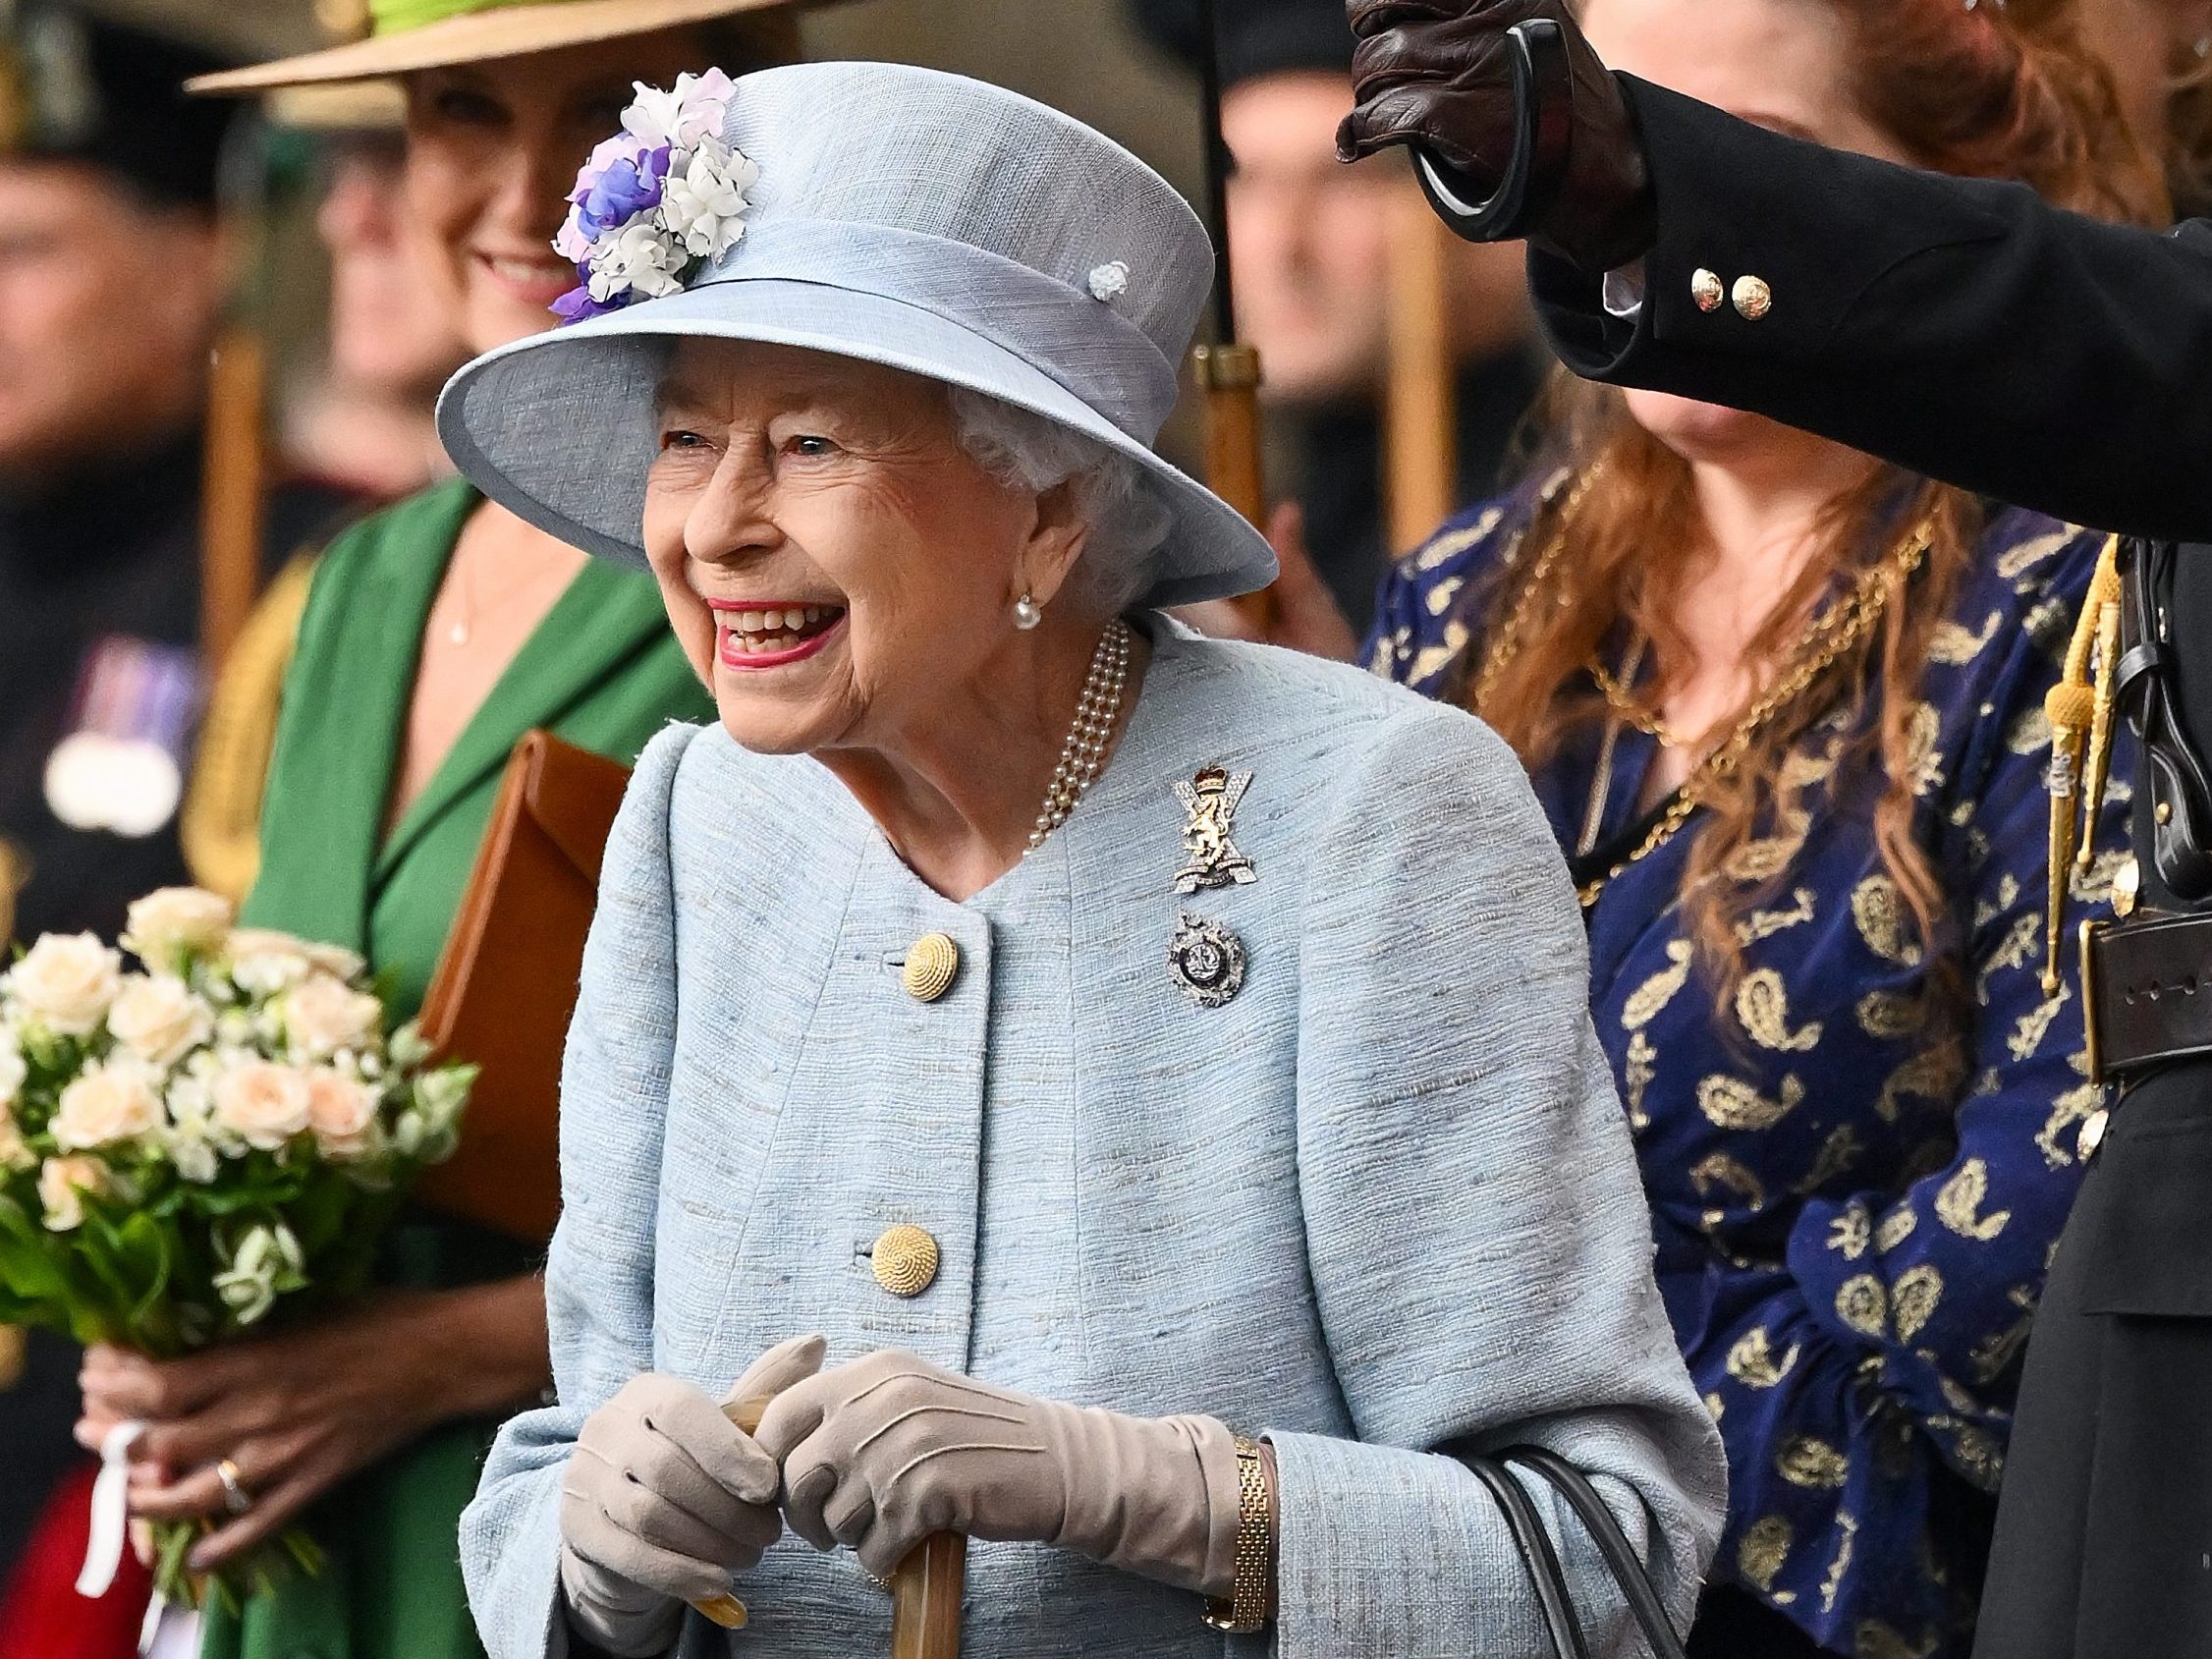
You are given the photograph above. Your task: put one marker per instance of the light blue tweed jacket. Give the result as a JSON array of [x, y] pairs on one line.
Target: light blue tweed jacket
[[1381, 1201]]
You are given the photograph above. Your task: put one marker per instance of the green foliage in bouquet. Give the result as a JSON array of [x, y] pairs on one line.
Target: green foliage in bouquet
[[203, 1145]]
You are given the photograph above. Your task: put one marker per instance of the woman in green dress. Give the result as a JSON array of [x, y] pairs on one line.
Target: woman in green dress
[[436, 634]]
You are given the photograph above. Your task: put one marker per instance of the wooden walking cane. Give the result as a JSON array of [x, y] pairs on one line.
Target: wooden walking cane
[[925, 1589], [1420, 428], [1228, 370]]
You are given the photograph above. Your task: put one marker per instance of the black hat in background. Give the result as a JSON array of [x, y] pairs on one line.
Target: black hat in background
[[76, 86], [1259, 37]]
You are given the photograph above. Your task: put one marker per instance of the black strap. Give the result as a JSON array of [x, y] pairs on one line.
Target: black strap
[[1553, 1596], [1537, 1557]]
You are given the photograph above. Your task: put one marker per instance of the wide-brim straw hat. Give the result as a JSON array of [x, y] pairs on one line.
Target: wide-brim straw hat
[[419, 35], [909, 218]]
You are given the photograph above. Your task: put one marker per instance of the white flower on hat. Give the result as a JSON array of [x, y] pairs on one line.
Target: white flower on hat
[[1109, 282], [640, 258], [679, 116], [704, 205]]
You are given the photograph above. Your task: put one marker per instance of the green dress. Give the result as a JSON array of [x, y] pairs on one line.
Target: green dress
[[603, 672]]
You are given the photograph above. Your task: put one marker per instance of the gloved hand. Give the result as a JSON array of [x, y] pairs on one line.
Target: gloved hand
[[663, 1499], [880, 1452], [1434, 72]]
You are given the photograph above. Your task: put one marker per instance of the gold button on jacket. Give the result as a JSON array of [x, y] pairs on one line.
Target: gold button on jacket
[[1753, 298], [932, 962], [905, 1260]]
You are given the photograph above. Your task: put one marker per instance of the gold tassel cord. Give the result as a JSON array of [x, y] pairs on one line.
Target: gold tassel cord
[[2080, 717]]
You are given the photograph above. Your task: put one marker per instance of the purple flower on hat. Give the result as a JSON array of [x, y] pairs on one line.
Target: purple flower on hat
[[657, 200]]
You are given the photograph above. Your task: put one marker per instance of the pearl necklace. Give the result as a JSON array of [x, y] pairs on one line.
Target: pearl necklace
[[1096, 716]]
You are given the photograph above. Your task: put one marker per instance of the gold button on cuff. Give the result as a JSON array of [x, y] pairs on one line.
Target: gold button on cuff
[[1705, 288], [905, 1260], [1753, 299], [932, 963]]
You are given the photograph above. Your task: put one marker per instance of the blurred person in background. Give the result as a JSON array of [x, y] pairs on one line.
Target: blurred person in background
[[2160, 53], [1311, 252], [363, 420], [1785, 706], [114, 268], [436, 634], [392, 338]]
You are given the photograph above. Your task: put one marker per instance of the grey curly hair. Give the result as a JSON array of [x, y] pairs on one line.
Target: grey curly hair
[[1128, 523]]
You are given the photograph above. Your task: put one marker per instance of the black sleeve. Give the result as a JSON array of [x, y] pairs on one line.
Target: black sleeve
[[1961, 328]]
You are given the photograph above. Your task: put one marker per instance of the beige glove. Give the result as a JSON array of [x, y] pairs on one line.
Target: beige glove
[[663, 1499], [879, 1454]]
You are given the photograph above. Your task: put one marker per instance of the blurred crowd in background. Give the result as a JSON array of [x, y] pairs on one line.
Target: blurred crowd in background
[[223, 329]]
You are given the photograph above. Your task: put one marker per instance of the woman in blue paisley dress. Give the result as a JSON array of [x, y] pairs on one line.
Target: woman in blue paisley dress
[[1783, 708]]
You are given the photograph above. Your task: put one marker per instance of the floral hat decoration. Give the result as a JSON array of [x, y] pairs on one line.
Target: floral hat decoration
[[658, 201], [878, 212]]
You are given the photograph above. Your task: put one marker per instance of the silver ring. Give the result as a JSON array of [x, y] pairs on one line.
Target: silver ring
[[236, 1498]]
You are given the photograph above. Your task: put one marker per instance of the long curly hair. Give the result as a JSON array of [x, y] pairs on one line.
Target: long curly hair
[[1974, 91]]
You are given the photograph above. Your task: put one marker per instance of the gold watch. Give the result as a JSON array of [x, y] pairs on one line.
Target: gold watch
[[1244, 1609]]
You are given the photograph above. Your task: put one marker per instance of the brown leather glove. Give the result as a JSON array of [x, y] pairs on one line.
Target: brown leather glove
[[880, 1452], [1435, 73]]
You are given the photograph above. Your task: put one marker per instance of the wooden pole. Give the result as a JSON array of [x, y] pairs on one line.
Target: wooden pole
[[1420, 417], [925, 1590], [233, 492]]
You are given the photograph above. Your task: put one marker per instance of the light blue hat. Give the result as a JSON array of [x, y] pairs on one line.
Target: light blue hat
[[899, 216]]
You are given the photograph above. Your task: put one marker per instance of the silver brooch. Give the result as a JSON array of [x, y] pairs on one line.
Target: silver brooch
[[1207, 960], [1211, 859]]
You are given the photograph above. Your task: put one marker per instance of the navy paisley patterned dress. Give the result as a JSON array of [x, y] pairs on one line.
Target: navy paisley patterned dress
[[1853, 1215]]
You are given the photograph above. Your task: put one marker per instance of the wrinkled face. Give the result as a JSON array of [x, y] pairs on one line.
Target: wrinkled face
[[107, 307], [1783, 63], [835, 564], [1310, 240], [493, 149]]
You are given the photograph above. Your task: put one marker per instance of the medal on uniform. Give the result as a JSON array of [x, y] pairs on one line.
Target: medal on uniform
[[121, 768], [1206, 960], [1211, 859]]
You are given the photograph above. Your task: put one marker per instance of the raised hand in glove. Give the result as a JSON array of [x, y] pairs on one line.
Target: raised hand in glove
[[663, 1499], [879, 1454], [1436, 74]]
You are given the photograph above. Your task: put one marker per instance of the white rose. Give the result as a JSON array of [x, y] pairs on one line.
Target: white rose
[[66, 981], [159, 1019], [164, 926], [341, 1109], [13, 1069], [335, 959], [107, 1104], [261, 1102], [13, 1153], [264, 962], [323, 1016], [62, 1185]]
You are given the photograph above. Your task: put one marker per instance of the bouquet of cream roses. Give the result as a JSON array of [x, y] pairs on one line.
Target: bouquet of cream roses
[[192, 1146]]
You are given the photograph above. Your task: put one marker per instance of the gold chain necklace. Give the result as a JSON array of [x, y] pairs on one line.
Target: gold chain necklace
[[1834, 633]]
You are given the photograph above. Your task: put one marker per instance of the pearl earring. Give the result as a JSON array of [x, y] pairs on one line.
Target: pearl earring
[[1028, 613]]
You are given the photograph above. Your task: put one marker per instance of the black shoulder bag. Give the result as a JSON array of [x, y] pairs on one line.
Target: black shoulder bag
[[1541, 1561]]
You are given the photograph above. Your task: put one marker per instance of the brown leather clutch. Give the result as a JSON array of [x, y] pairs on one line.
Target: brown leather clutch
[[505, 984]]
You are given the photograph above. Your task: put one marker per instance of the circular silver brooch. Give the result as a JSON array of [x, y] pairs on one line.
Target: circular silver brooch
[[1207, 960]]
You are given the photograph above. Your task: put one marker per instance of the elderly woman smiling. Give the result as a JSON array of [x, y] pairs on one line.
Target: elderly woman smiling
[[1157, 1069]]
